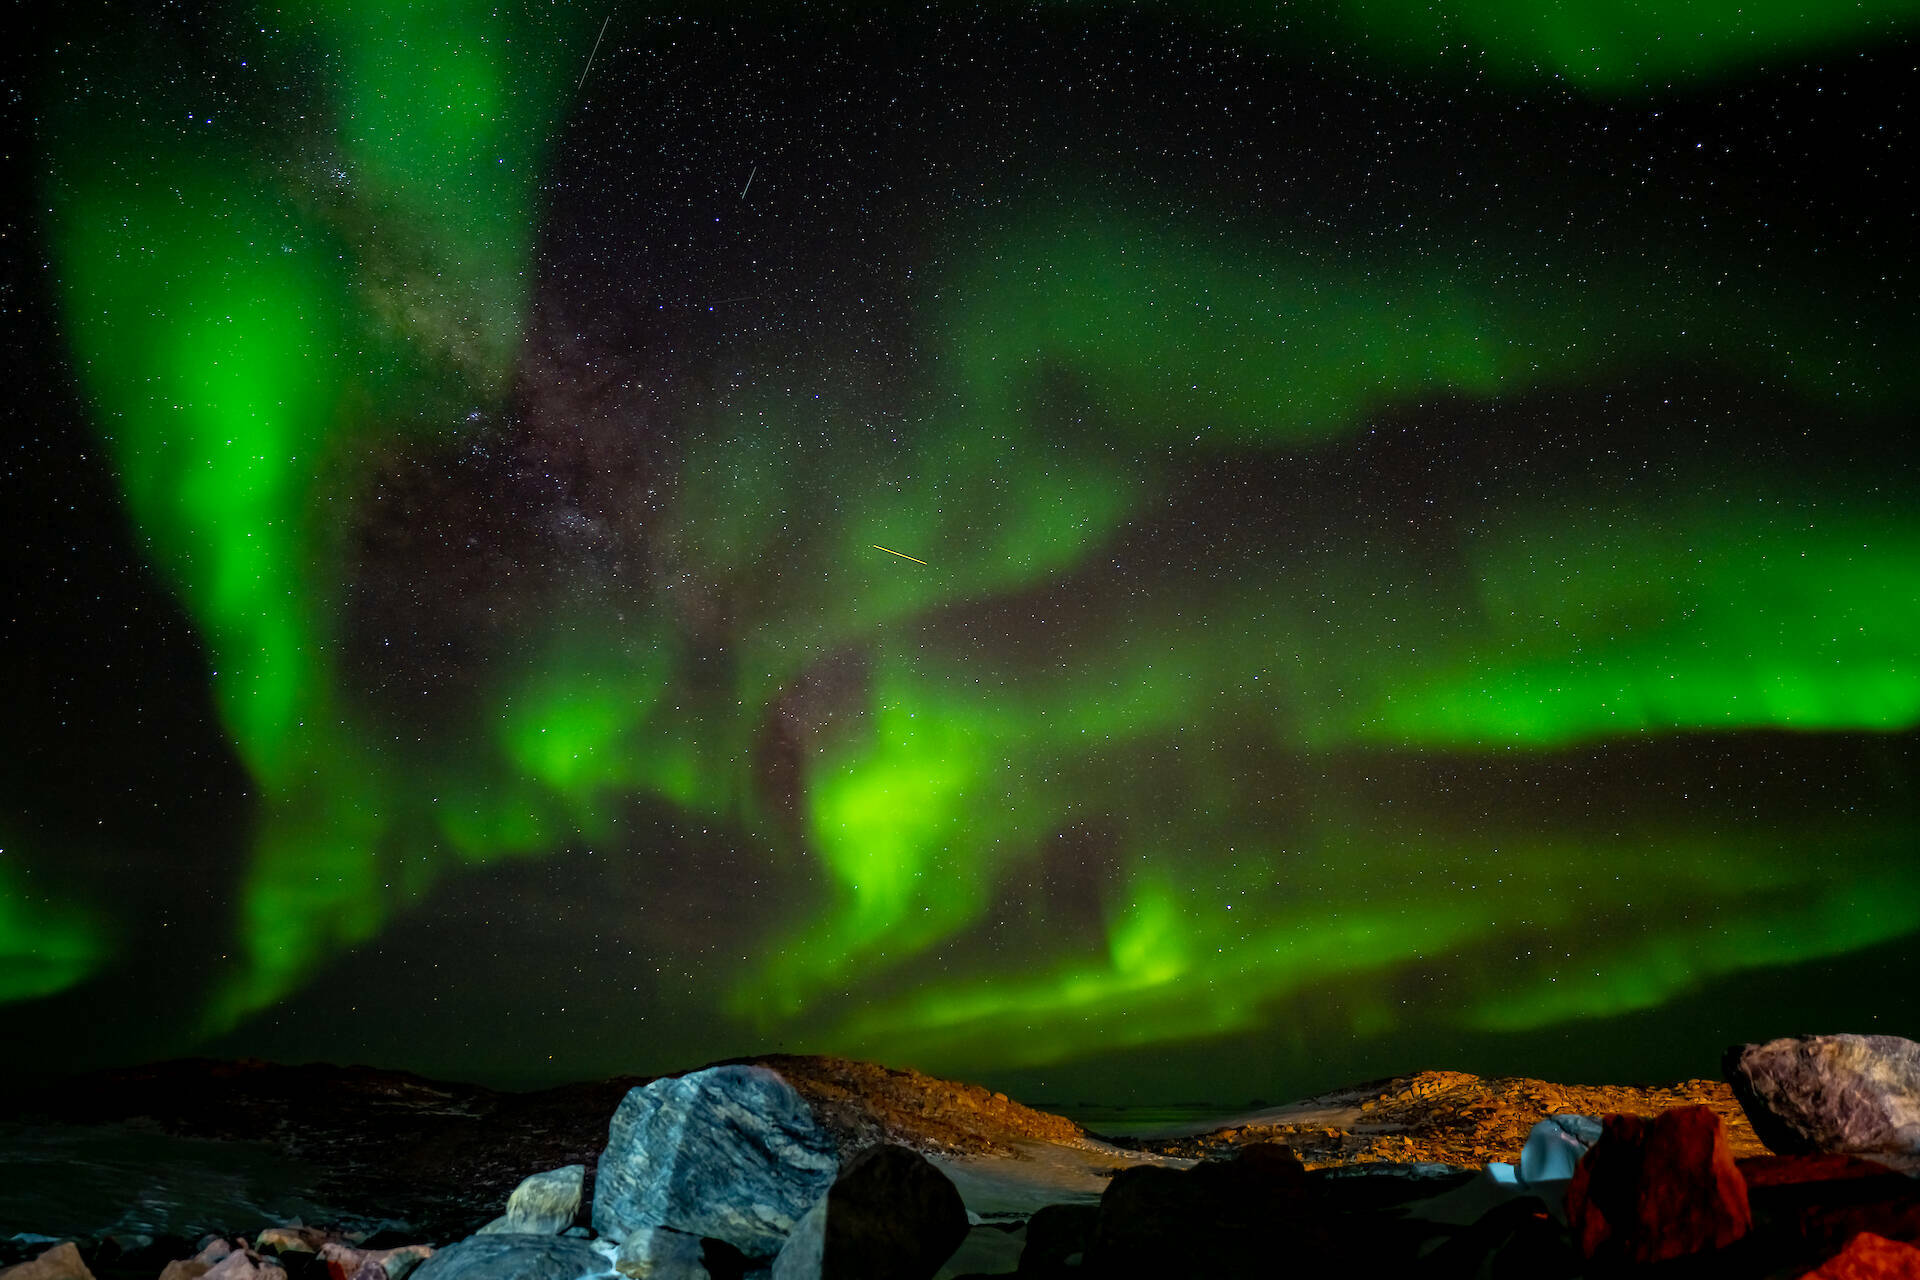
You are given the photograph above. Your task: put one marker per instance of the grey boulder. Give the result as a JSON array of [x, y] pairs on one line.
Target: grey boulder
[[543, 1205], [1555, 1145], [506, 1257], [1845, 1094], [729, 1152], [890, 1216]]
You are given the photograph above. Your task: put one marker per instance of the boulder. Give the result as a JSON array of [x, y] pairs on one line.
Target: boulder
[[661, 1253], [1654, 1189], [890, 1215], [343, 1261], [244, 1264], [184, 1269], [1554, 1147], [500, 1257], [1847, 1094], [730, 1152], [542, 1205], [62, 1262], [1221, 1217], [1870, 1257], [1057, 1235]]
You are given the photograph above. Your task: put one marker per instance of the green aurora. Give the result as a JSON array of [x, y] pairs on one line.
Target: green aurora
[[265, 316]]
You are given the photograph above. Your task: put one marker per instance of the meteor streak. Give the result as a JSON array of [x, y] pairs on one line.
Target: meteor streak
[[903, 555]]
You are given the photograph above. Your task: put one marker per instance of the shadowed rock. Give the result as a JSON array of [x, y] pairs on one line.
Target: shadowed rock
[[731, 1152], [1218, 1218], [889, 1216], [1056, 1234]]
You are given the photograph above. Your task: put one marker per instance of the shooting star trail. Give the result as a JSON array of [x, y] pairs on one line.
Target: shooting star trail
[[596, 49], [903, 555], [749, 186]]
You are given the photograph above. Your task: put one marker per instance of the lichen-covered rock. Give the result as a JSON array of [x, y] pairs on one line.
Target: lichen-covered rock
[[1843, 1094], [730, 1152], [1654, 1189], [499, 1257], [542, 1205], [889, 1216]]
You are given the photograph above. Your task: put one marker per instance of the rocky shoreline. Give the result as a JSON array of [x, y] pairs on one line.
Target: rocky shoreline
[[793, 1167]]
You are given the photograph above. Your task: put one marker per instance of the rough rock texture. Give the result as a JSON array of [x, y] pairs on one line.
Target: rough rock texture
[[1449, 1117], [661, 1253], [730, 1152], [1555, 1146], [1870, 1257], [513, 1258], [1845, 1093], [542, 1205], [62, 1262], [1220, 1218], [1656, 1189], [889, 1216], [343, 1261]]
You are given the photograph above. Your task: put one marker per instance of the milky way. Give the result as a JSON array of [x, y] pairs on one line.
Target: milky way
[[1166, 551]]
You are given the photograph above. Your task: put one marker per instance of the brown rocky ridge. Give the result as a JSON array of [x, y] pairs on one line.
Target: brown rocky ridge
[[1445, 1117]]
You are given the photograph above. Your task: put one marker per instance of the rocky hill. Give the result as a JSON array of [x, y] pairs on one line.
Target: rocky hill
[[1446, 1117]]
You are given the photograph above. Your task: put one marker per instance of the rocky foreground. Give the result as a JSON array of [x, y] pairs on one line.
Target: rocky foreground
[[793, 1168]]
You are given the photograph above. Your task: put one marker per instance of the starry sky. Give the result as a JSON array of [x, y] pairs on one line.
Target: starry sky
[[1130, 552]]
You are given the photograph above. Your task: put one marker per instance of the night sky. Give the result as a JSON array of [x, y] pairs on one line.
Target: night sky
[[1123, 552]]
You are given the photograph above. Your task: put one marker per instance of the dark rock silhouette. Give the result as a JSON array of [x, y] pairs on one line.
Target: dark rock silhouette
[[507, 1257], [890, 1216]]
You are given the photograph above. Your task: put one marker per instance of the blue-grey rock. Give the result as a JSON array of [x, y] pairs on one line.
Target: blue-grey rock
[[1554, 1147], [661, 1253], [507, 1257], [729, 1152], [1846, 1094], [543, 1205], [890, 1216]]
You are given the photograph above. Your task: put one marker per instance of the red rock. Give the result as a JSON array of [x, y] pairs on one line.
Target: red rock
[[343, 1262], [185, 1269], [62, 1262], [1895, 1218], [1870, 1257], [1788, 1171], [1656, 1189]]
